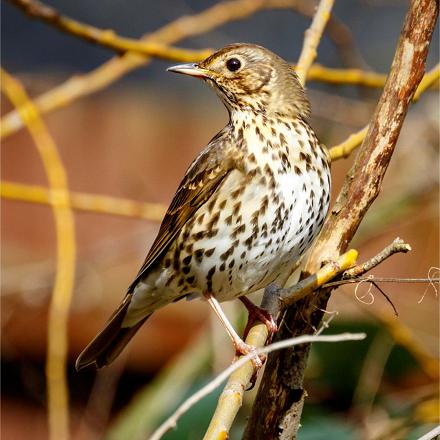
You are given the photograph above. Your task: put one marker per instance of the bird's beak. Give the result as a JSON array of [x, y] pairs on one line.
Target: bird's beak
[[191, 69]]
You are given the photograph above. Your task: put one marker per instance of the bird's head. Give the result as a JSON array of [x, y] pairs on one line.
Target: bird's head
[[250, 77]]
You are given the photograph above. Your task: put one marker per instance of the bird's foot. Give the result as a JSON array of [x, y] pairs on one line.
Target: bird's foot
[[257, 313], [243, 349]]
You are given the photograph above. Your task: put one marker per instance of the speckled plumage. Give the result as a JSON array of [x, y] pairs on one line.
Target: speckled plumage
[[249, 205]]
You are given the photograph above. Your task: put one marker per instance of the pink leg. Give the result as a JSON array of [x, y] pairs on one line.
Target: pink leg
[[262, 315], [240, 346]]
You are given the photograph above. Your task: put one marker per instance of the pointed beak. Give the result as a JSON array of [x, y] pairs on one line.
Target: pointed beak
[[191, 69]]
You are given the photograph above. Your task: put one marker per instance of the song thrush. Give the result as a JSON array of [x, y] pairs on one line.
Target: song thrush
[[248, 206]]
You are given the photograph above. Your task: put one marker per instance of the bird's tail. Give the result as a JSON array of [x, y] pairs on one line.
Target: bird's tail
[[109, 343]]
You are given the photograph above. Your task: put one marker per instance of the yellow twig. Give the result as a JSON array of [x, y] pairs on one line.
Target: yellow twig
[[428, 80], [105, 37], [179, 29], [231, 398], [345, 148], [359, 77], [57, 390], [312, 38], [84, 202]]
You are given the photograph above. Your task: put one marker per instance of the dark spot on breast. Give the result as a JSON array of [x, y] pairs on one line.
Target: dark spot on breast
[[238, 230], [209, 252], [212, 233], [214, 220], [199, 235], [198, 255]]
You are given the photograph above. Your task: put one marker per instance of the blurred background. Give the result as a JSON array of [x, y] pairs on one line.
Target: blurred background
[[134, 140]]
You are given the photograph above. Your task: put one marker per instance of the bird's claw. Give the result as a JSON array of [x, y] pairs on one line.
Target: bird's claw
[[257, 313], [243, 349]]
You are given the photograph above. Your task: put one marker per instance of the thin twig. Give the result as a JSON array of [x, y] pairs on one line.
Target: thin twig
[[312, 38], [434, 433], [80, 201], [374, 279], [57, 389], [294, 293], [106, 37], [213, 384], [398, 245], [386, 297]]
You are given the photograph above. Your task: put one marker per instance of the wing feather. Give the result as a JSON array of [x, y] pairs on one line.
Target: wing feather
[[201, 180]]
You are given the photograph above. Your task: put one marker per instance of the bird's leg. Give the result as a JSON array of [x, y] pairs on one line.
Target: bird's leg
[[262, 315], [240, 346]]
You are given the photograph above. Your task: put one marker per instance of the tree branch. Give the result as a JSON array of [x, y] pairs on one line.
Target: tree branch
[[398, 245], [312, 38], [278, 416]]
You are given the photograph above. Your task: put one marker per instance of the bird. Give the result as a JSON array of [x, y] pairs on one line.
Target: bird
[[248, 207]]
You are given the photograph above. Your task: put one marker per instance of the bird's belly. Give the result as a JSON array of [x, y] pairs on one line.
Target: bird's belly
[[250, 236]]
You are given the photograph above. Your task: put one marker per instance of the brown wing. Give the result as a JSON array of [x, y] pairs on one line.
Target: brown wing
[[201, 180]]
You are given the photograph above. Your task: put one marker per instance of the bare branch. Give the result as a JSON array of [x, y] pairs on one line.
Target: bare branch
[[213, 384], [431, 434], [312, 38], [398, 245]]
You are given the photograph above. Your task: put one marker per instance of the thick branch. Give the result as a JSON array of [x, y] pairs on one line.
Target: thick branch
[[278, 407]]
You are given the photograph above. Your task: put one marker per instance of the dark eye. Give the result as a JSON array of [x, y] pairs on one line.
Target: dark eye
[[233, 64]]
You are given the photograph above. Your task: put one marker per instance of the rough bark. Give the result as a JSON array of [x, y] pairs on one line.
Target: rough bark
[[278, 406]]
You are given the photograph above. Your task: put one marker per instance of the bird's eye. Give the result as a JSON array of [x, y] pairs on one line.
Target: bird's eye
[[233, 64]]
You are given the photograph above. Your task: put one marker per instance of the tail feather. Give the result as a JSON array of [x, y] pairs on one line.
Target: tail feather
[[109, 343]]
